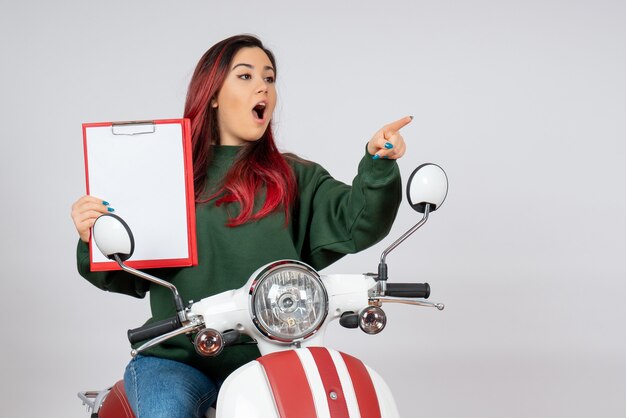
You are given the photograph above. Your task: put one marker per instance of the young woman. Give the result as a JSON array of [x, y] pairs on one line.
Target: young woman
[[254, 205]]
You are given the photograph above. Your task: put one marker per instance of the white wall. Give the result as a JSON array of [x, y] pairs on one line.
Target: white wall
[[523, 104]]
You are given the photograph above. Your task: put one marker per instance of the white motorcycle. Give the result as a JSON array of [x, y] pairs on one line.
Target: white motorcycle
[[285, 307]]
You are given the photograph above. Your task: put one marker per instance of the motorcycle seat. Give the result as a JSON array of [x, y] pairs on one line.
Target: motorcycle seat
[[116, 405]]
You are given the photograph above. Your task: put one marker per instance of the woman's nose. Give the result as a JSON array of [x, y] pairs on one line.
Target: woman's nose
[[262, 87]]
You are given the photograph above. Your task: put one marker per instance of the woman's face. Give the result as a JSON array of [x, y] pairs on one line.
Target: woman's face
[[246, 101]]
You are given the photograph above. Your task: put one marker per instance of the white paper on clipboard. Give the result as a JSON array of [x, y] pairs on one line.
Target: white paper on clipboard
[[142, 170]]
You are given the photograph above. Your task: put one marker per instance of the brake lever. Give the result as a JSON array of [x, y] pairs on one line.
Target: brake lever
[[378, 301]]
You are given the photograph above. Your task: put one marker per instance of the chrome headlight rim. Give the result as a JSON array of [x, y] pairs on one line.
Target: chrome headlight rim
[[266, 272]]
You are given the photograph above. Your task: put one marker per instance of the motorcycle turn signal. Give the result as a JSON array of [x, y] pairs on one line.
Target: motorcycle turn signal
[[210, 343], [372, 320]]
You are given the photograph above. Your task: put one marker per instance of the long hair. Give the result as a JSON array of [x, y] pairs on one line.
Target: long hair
[[258, 166]]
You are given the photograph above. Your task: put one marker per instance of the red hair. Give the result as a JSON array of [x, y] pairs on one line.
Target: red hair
[[259, 165]]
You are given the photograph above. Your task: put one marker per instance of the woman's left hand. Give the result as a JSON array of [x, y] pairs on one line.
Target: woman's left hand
[[387, 142]]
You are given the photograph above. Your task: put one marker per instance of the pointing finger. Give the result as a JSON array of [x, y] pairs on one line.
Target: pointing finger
[[393, 127]]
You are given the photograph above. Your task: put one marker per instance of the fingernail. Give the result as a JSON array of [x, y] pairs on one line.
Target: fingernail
[[111, 209], [388, 145], [375, 157], [105, 203], [411, 117]]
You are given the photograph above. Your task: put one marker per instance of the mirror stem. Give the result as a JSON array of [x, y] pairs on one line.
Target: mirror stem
[[178, 301], [382, 266]]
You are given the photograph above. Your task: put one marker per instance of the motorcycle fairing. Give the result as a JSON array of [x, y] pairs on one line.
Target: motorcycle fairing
[[306, 383]]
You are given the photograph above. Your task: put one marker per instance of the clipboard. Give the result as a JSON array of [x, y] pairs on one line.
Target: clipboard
[[144, 170]]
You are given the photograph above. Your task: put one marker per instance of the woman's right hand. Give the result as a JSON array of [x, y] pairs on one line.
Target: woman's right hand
[[85, 211]]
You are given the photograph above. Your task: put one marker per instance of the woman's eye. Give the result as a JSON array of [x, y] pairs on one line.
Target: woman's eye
[[245, 76], [270, 79]]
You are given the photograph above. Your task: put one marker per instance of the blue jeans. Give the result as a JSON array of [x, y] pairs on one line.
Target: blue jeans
[[158, 387]]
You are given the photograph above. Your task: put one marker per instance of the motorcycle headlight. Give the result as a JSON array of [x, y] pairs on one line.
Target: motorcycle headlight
[[288, 301]]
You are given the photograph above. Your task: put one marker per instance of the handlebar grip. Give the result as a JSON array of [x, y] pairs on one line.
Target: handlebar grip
[[408, 290], [154, 329]]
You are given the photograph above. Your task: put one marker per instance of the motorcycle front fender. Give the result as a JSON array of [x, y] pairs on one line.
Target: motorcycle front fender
[[305, 383]]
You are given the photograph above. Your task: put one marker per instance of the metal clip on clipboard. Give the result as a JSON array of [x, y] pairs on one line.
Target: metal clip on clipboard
[[137, 127]]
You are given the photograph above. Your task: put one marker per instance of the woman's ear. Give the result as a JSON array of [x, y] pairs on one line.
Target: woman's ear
[[214, 103]]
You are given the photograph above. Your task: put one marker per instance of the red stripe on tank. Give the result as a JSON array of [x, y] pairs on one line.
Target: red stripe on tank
[[363, 387], [330, 379], [289, 385]]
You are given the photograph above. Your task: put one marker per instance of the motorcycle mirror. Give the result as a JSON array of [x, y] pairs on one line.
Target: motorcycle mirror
[[113, 237], [427, 185], [426, 190]]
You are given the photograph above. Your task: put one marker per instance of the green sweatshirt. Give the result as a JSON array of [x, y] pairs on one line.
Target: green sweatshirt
[[329, 220]]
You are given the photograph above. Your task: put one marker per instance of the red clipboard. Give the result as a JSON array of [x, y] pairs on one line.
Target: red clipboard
[[144, 170]]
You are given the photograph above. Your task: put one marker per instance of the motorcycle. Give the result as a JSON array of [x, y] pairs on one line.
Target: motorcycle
[[285, 307]]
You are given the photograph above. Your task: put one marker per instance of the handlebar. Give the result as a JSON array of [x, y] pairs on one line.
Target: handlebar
[[153, 330], [408, 290]]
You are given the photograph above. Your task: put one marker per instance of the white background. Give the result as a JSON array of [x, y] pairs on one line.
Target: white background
[[522, 103]]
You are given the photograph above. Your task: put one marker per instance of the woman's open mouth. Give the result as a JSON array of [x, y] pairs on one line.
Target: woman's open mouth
[[258, 111]]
